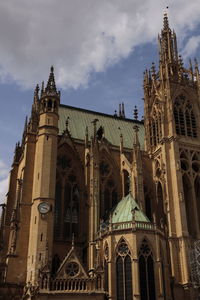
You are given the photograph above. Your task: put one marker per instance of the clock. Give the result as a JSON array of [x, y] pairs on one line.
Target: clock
[[44, 207]]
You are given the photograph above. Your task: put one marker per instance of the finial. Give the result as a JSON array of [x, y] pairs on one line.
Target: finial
[[51, 85], [153, 69], [165, 20], [136, 140], [42, 89], [180, 60], [36, 89], [95, 127], [135, 113], [67, 123], [115, 114], [196, 63], [120, 110], [123, 110]]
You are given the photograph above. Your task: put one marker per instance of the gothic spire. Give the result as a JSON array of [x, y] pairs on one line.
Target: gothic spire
[[165, 22], [51, 85]]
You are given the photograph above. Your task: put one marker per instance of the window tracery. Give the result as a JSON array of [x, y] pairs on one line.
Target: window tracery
[[108, 187], [190, 168], [155, 128], [67, 204], [185, 121], [123, 272], [146, 270]]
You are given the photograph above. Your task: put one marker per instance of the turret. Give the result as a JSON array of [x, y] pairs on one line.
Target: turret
[[43, 197]]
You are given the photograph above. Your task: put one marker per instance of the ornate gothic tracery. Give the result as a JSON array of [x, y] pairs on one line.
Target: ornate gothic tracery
[[108, 187], [155, 129], [190, 168], [146, 269], [123, 272], [184, 117], [67, 204]]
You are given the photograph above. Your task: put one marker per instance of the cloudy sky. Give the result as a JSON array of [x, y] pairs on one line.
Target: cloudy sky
[[99, 49]]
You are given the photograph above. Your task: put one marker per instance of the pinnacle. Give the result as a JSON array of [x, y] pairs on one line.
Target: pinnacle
[[51, 85], [165, 22]]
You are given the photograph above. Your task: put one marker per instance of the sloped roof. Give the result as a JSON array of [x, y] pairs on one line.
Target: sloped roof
[[113, 126], [122, 211]]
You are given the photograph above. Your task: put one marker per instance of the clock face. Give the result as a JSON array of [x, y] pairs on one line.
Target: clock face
[[44, 208]]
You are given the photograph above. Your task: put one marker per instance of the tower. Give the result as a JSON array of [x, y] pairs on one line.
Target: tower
[[43, 196], [171, 97]]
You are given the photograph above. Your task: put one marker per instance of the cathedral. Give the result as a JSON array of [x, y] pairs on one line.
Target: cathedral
[[104, 207]]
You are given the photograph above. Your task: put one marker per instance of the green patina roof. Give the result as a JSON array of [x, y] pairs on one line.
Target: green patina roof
[[80, 118], [122, 211]]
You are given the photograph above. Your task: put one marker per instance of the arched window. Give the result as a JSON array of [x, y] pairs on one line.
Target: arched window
[[126, 182], [146, 269], [155, 129], [185, 122], [67, 202], [71, 207], [108, 188], [160, 204], [123, 272], [188, 196]]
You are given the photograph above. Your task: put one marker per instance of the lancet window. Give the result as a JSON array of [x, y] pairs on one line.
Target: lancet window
[[148, 202], [155, 129], [67, 204], [124, 289], [190, 168], [184, 117], [126, 178], [108, 187], [146, 269]]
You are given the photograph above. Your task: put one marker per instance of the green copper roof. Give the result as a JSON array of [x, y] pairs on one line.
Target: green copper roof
[[122, 211], [113, 126]]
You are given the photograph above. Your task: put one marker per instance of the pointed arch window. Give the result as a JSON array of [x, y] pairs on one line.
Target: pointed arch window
[[124, 288], [67, 202], [146, 270], [155, 129], [160, 204], [126, 182], [188, 196], [185, 121], [71, 208], [108, 190]]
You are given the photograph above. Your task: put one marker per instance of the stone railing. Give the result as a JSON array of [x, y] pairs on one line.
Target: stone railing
[[130, 225], [71, 285]]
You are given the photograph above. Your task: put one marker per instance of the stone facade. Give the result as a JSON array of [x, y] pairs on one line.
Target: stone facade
[[104, 207]]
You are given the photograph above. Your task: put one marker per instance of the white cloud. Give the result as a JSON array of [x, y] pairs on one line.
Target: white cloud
[[80, 36], [191, 46], [4, 178]]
